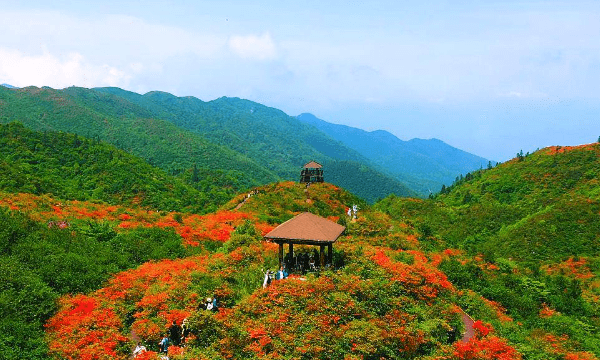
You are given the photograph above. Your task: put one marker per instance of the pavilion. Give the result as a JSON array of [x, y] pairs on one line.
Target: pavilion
[[312, 172], [307, 229]]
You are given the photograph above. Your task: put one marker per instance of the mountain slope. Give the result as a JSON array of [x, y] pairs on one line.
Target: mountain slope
[[545, 206], [424, 165], [270, 137], [112, 119], [71, 167], [531, 226]]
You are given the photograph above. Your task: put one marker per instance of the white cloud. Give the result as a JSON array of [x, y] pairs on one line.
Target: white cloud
[[253, 47], [19, 69]]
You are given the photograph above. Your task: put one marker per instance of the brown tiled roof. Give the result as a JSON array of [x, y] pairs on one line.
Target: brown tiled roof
[[313, 165], [307, 228]]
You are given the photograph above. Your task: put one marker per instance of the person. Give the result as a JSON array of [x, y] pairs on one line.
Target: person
[[164, 344], [209, 304], [139, 349], [214, 304], [281, 274], [288, 260], [311, 263], [305, 263], [185, 330], [267, 280], [175, 333]]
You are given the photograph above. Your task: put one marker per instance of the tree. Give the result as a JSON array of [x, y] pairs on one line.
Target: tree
[[195, 175]]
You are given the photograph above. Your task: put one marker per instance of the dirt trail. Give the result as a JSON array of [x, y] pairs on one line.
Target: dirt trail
[[468, 322], [242, 203]]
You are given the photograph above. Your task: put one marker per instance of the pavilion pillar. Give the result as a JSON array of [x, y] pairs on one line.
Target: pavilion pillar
[[291, 250], [322, 256], [280, 255], [330, 254]]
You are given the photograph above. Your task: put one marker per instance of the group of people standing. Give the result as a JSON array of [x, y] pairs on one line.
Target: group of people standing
[[303, 262], [175, 334], [270, 275]]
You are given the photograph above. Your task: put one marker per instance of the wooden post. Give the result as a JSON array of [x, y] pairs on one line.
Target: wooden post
[[322, 256], [280, 255], [330, 254], [291, 256]]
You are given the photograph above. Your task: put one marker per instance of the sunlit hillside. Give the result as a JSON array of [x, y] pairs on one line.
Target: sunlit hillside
[[410, 278]]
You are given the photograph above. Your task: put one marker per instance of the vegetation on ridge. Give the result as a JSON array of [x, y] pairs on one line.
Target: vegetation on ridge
[[515, 247], [535, 221]]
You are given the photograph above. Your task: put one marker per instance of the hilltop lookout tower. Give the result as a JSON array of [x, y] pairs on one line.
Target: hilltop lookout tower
[[312, 172]]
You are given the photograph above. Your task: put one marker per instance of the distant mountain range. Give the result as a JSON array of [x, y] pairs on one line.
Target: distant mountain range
[[423, 165], [233, 143], [237, 143], [8, 86]]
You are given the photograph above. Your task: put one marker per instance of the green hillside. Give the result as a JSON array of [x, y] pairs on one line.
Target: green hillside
[[395, 293], [271, 138], [72, 167], [532, 223], [233, 143], [544, 206], [114, 120]]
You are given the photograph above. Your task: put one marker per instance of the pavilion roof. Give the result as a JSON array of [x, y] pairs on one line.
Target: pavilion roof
[[307, 228], [313, 165]]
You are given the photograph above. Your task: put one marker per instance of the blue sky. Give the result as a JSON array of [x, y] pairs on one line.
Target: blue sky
[[489, 77]]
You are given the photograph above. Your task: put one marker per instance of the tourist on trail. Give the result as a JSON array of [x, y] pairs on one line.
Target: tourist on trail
[[163, 345], [139, 349], [281, 274], [175, 333], [215, 308], [185, 330]]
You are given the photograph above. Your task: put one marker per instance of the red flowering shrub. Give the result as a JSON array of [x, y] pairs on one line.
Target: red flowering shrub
[[85, 328]]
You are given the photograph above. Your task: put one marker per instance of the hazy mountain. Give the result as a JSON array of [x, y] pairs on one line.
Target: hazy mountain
[[8, 86], [421, 164]]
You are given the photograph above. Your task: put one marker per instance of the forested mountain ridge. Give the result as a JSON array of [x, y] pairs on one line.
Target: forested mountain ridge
[[550, 197], [270, 137], [177, 134], [424, 165], [103, 117]]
